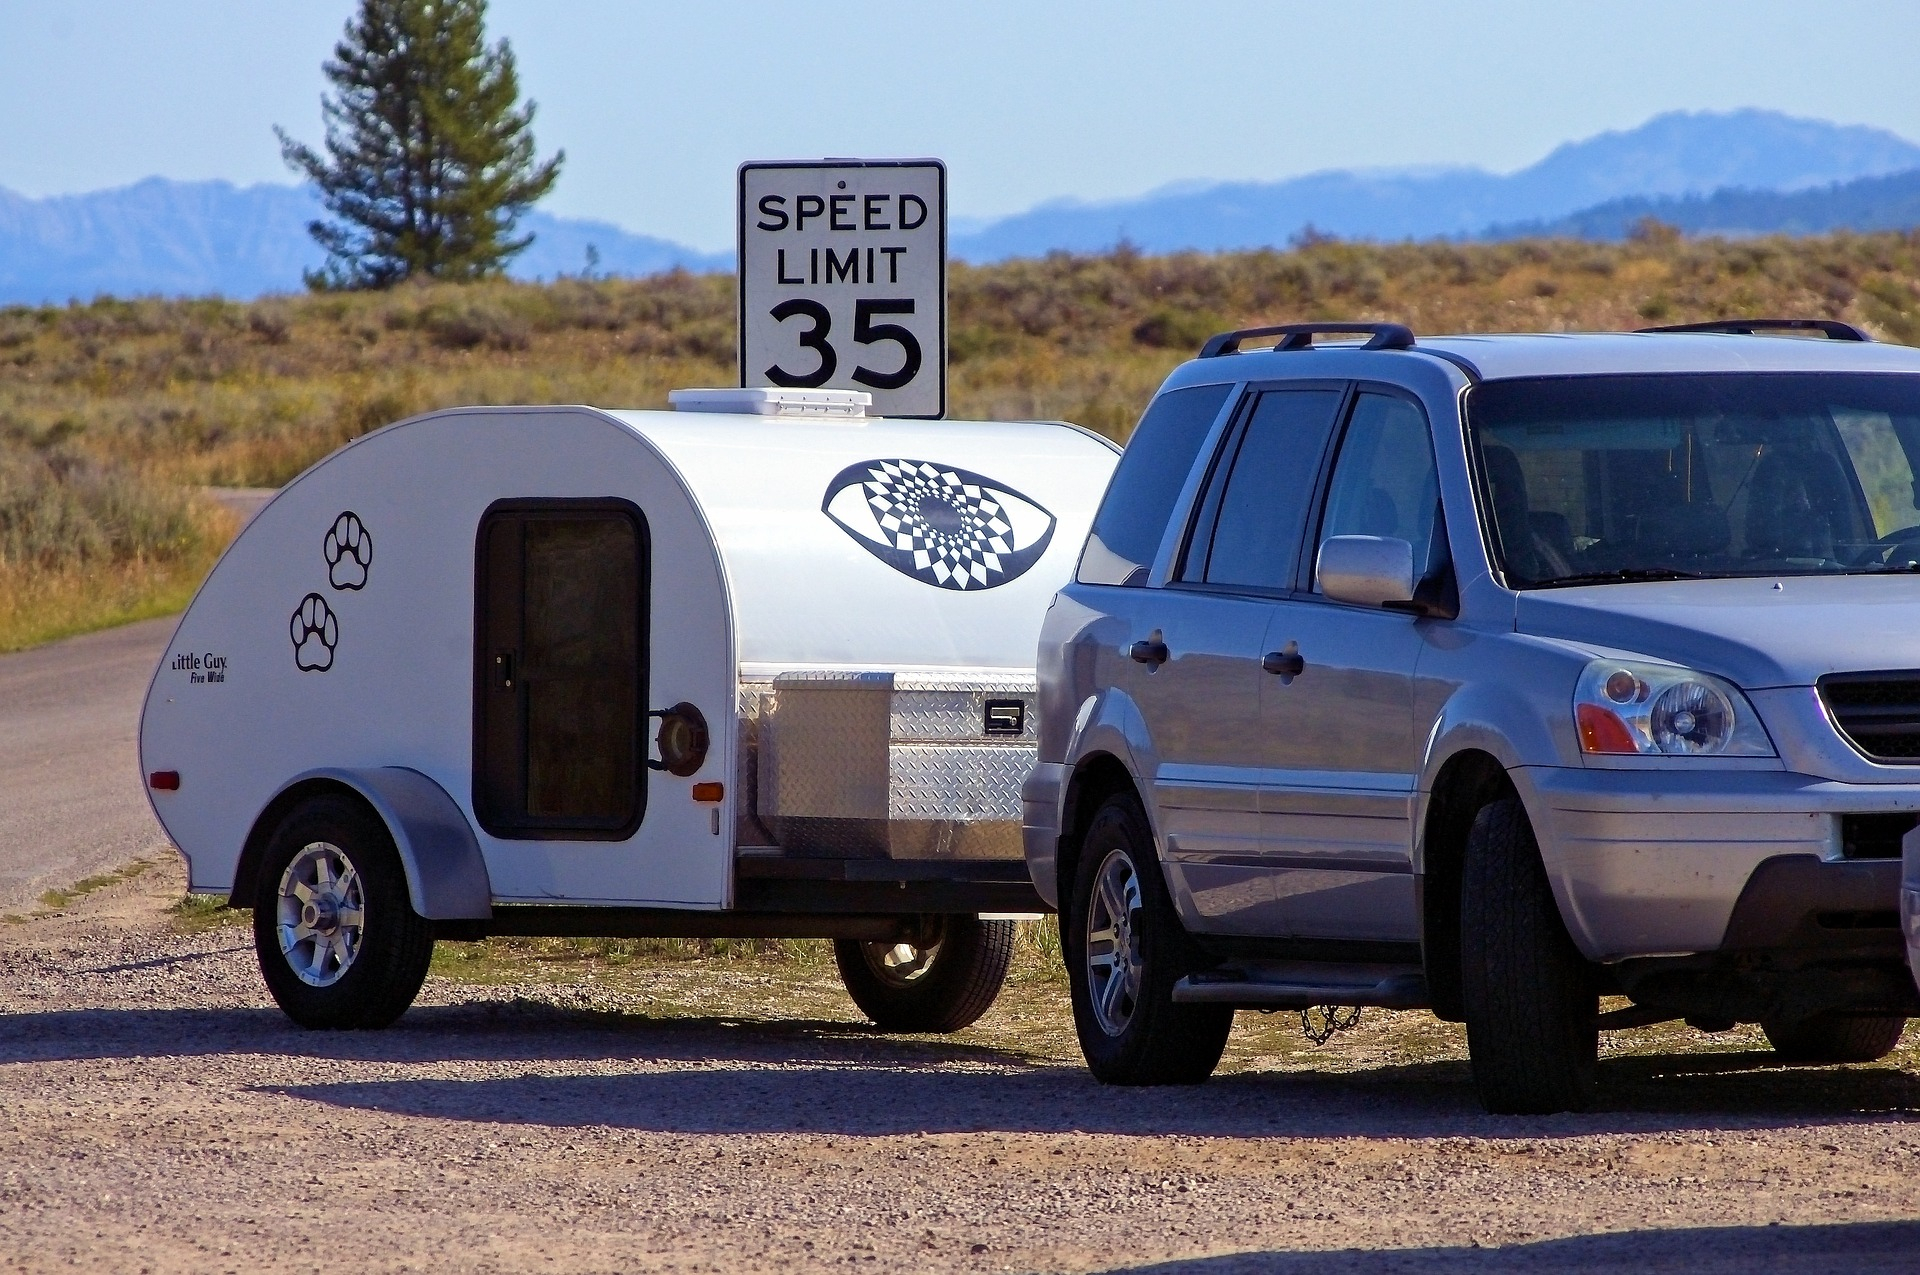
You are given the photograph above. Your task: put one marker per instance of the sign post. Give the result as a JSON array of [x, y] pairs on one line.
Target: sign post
[[843, 279]]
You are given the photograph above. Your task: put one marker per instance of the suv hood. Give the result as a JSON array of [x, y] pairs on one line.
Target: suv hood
[[1757, 633]]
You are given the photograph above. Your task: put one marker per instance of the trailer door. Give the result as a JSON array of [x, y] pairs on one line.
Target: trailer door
[[560, 666]]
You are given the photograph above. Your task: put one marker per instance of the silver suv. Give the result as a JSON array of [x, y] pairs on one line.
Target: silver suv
[[1494, 674]]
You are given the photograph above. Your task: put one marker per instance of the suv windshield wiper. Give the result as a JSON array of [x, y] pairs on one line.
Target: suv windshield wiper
[[1623, 575]]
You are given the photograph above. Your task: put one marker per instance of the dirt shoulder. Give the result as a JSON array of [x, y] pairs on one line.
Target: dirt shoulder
[[578, 1109]]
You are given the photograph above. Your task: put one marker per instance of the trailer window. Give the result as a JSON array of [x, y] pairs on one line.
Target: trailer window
[[560, 694]]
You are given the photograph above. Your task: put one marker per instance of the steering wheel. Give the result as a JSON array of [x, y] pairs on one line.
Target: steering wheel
[[1881, 550]]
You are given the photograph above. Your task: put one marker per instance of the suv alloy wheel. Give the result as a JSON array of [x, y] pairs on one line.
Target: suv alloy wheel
[[1125, 949]]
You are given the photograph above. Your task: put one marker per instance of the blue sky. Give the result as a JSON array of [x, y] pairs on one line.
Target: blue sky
[[656, 103]]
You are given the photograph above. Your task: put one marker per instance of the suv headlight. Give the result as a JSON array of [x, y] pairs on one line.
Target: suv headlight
[[1624, 707]]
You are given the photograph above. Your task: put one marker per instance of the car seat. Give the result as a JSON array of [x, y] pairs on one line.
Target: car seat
[[1796, 508], [1530, 555]]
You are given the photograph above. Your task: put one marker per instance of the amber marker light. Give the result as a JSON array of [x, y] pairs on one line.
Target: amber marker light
[[1602, 732], [709, 791]]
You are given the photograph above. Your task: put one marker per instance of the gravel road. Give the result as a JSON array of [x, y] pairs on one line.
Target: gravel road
[[156, 1114]]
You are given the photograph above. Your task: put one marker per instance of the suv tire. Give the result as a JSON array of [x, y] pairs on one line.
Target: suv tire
[[1531, 1004], [339, 943], [941, 982], [1834, 1038], [1121, 975]]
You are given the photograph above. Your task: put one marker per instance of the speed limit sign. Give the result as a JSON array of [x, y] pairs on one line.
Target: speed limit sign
[[843, 279]]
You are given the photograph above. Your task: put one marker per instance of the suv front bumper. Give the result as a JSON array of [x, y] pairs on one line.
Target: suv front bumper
[[1668, 862]]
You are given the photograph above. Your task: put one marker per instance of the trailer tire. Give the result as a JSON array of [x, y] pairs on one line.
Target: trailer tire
[[339, 943], [940, 984], [1834, 1038], [1131, 1030], [1531, 1004]]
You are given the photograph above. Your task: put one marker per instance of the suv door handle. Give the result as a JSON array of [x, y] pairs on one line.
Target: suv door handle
[[1285, 663], [1149, 651]]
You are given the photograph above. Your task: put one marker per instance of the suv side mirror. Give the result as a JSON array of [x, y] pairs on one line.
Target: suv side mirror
[[1374, 571]]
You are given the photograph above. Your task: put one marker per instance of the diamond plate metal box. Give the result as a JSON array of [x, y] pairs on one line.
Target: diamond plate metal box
[[894, 765]]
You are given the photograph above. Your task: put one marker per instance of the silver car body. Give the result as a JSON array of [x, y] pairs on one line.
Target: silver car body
[[1304, 808]]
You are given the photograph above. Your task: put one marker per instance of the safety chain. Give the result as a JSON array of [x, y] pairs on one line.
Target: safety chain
[[1320, 1023]]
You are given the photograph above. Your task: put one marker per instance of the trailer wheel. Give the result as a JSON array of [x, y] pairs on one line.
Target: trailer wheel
[[1834, 1038], [1125, 949], [1532, 1008], [940, 984], [339, 943]]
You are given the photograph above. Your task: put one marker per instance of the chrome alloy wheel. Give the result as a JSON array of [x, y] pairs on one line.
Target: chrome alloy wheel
[[322, 914], [1114, 972], [900, 964]]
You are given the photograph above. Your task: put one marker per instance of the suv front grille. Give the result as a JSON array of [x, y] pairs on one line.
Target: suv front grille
[[1878, 713]]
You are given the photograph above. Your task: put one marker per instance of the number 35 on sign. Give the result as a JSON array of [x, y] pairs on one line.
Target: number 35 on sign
[[843, 279]]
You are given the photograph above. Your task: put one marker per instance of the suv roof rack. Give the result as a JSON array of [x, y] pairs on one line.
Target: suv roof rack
[[1299, 336], [1832, 329]]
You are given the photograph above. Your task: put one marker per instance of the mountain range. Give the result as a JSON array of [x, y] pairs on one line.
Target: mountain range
[[1736, 172], [172, 238], [1674, 155]]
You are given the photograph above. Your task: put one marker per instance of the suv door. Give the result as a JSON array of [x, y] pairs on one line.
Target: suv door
[[1337, 707], [1202, 704]]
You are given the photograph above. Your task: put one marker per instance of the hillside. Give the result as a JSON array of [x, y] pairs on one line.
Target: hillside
[[109, 410], [219, 392]]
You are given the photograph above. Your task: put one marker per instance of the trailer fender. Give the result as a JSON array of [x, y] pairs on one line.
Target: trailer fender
[[446, 875]]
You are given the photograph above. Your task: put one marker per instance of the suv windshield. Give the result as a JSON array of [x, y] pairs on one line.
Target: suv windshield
[[1612, 478]]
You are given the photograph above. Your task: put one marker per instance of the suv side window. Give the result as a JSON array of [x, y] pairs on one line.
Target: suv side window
[[1384, 482], [1133, 516], [1262, 507]]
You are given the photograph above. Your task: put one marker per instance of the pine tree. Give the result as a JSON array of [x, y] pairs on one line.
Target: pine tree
[[429, 163]]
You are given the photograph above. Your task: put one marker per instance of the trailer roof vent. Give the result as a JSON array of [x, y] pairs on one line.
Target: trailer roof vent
[[762, 401]]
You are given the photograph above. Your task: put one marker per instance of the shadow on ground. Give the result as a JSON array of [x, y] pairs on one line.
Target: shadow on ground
[[1729, 1250], [724, 1075]]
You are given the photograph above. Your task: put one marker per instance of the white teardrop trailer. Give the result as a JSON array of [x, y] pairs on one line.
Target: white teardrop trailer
[[759, 667]]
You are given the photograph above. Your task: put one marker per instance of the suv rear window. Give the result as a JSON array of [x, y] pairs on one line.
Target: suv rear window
[[1609, 478], [1133, 516]]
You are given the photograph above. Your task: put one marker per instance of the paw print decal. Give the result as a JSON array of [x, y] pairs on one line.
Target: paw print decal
[[349, 552], [315, 633]]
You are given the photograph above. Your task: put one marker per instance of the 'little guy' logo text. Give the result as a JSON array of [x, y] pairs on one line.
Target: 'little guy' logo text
[[201, 668]]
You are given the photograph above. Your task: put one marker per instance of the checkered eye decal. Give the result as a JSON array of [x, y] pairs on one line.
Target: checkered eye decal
[[943, 526]]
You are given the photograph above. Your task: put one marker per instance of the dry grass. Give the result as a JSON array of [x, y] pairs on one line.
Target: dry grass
[[186, 393], [212, 392], [43, 599]]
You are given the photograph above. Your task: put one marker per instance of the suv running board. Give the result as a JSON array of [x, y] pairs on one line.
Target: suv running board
[[1305, 984]]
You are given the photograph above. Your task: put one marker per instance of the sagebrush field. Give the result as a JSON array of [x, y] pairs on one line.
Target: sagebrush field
[[113, 412]]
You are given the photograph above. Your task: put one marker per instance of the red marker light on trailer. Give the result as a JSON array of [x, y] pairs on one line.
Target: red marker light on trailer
[[164, 781]]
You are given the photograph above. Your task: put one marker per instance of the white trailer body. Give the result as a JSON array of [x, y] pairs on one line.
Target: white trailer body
[[344, 644]]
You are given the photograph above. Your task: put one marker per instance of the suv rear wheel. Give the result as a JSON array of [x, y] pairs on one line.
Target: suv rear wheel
[[1124, 950], [1834, 1038], [1531, 1004]]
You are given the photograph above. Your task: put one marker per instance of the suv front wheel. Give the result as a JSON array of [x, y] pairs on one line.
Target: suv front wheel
[[1124, 950], [1531, 1004]]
